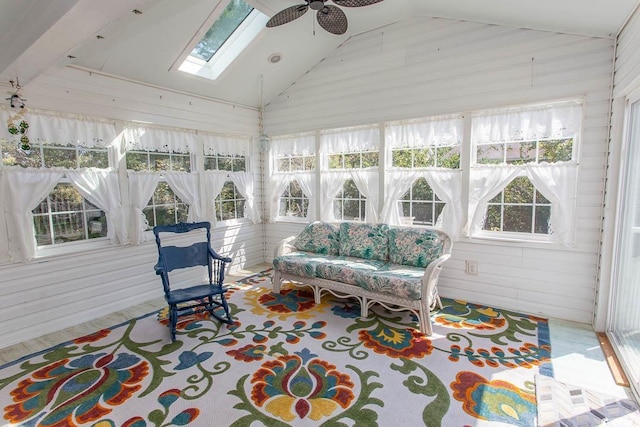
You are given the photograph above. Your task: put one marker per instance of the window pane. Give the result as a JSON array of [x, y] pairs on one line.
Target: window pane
[[352, 161], [335, 161], [337, 209], [297, 163], [59, 157], [556, 150], [180, 163], [210, 163], [543, 215], [42, 230], [406, 209], [68, 227], [240, 208], [295, 191], [310, 163], [93, 158], [148, 213], [350, 190], [521, 152], [228, 210], [137, 161], [159, 162], [492, 221], [65, 198], [12, 155], [165, 215], [401, 158], [182, 212], [239, 164], [520, 190], [225, 163], [438, 207], [421, 190], [163, 195], [370, 159], [284, 207], [449, 157], [518, 218], [490, 154], [230, 18], [283, 164], [541, 199], [351, 209], [423, 213], [423, 158]]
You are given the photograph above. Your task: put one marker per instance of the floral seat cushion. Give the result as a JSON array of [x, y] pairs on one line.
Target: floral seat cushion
[[348, 270], [300, 263], [414, 247], [318, 237], [367, 241], [398, 280]]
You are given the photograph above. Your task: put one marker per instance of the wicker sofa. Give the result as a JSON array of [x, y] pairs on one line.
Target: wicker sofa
[[397, 267]]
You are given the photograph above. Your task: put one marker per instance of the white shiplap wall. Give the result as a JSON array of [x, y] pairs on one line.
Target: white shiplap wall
[[49, 294], [428, 66]]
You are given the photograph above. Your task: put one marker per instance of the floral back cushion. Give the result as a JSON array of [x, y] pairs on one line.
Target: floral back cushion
[[318, 237], [413, 247], [368, 241]]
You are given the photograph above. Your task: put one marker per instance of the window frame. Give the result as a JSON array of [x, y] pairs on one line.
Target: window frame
[[235, 200]]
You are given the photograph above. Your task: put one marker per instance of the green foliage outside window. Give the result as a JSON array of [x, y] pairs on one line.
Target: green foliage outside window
[[165, 207], [519, 208], [523, 152], [357, 160], [54, 155], [349, 203], [444, 157], [421, 203], [155, 161], [296, 163], [293, 201], [223, 162], [65, 216], [229, 204]]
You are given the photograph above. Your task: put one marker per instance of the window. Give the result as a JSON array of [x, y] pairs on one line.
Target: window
[[156, 161], [444, 157], [523, 152], [355, 160], [226, 162], [421, 204], [229, 204], [65, 216], [519, 208], [296, 163], [165, 207], [54, 155], [349, 204], [231, 32], [293, 201]]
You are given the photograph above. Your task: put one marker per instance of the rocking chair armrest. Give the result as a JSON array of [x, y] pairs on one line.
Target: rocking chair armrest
[[158, 268], [214, 255]]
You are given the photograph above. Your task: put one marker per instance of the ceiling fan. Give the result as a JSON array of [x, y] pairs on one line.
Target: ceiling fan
[[330, 17]]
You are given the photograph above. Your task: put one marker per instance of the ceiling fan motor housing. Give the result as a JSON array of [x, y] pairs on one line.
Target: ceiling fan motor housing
[[316, 4]]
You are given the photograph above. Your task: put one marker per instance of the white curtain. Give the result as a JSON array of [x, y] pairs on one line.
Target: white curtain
[[63, 129], [225, 144], [397, 183], [447, 184], [24, 190], [101, 187], [141, 188], [349, 140], [557, 182], [244, 183], [297, 145], [277, 185], [332, 183], [367, 181], [213, 183], [161, 139], [187, 188], [307, 185], [557, 120], [4, 239], [428, 132], [485, 183]]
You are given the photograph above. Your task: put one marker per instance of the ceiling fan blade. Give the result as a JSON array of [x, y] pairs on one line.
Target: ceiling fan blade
[[355, 3], [332, 19], [287, 15]]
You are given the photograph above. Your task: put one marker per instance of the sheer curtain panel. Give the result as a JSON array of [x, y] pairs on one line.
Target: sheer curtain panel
[[244, 183], [187, 187], [141, 188]]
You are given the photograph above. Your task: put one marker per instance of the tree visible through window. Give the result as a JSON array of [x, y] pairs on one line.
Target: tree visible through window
[[230, 203], [293, 202], [356, 160], [54, 155], [421, 204], [165, 207], [349, 203], [444, 157]]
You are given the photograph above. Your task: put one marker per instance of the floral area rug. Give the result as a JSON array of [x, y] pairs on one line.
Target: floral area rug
[[286, 361]]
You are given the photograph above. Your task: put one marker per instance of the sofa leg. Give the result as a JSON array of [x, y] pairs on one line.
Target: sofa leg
[[425, 321], [277, 282], [364, 307]]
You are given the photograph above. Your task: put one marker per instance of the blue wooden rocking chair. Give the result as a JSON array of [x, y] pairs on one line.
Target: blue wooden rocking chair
[[187, 300]]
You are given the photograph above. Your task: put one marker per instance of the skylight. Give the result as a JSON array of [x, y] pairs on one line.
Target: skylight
[[236, 26]]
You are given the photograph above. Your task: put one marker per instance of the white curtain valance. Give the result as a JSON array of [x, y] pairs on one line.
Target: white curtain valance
[[436, 131], [226, 145], [350, 140], [300, 145], [62, 130], [159, 139], [558, 120]]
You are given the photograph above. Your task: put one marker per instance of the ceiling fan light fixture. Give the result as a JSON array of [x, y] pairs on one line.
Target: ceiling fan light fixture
[[274, 58], [316, 4]]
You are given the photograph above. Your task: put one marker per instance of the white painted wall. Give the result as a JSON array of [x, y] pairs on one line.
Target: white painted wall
[[626, 82], [52, 293], [426, 66]]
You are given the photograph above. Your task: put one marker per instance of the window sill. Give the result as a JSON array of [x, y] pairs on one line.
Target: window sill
[[293, 219], [70, 249]]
